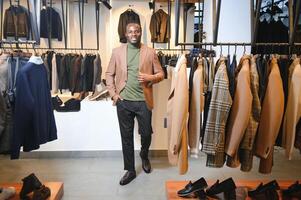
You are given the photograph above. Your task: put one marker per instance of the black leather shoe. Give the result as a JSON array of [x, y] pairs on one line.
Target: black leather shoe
[[146, 166], [30, 183], [267, 191], [292, 192], [192, 188], [41, 194], [127, 177], [224, 190]]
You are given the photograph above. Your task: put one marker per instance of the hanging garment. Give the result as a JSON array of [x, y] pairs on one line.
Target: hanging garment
[[16, 22], [270, 119], [241, 108], [177, 116], [54, 74], [33, 116], [3, 72], [97, 71], [195, 109], [220, 104], [247, 144], [50, 19], [293, 110], [129, 16], [160, 27], [76, 80]]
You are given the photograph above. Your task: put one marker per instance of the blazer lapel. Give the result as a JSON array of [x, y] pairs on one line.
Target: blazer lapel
[[124, 57], [142, 56]]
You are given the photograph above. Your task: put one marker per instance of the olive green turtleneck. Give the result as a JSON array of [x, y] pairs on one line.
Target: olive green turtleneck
[[132, 90]]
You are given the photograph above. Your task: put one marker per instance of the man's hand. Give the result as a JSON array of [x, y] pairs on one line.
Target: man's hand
[[115, 99], [142, 78]]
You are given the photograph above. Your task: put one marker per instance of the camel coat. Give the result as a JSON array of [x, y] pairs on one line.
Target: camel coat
[[177, 117]]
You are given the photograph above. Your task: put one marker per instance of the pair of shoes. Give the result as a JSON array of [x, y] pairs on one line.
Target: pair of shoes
[[127, 177], [194, 189], [6, 193], [30, 183], [292, 192], [41, 194], [72, 105], [146, 166], [267, 191], [224, 190]]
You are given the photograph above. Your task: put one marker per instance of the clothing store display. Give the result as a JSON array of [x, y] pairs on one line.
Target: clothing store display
[[128, 16], [128, 177], [50, 22], [160, 27], [177, 117], [192, 188], [16, 22], [7, 193], [33, 109]]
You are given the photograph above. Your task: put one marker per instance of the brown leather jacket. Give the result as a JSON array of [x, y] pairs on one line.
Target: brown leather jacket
[[16, 20], [160, 27]]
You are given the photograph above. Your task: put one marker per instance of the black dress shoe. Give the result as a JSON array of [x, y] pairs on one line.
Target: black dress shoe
[[292, 192], [224, 190], [41, 194], [192, 188], [30, 183], [146, 166], [267, 191], [127, 177]]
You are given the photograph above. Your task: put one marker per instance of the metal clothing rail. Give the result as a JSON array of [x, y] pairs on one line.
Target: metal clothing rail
[[238, 44]]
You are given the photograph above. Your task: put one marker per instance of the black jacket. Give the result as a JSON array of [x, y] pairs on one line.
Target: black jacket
[[49, 17], [129, 16], [16, 22]]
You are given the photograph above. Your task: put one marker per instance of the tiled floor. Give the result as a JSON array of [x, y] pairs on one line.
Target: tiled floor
[[98, 178]]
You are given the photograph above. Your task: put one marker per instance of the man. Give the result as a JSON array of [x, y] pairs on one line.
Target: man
[[132, 70]]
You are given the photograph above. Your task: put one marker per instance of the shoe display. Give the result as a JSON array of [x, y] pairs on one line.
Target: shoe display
[[224, 190], [100, 90], [192, 188], [41, 194], [7, 193], [127, 177], [30, 183]]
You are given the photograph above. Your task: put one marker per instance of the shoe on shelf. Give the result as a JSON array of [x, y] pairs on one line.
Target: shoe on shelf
[[30, 183], [41, 194], [266, 191], [127, 177], [292, 192], [224, 190], [192, 188]]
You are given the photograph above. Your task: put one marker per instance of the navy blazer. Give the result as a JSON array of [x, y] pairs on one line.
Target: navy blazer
[[34, 122]]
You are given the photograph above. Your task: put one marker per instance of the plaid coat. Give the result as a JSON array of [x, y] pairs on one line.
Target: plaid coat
[[221, 101]]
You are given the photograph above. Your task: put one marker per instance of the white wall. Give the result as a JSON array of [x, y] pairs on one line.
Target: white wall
[[234, 25]]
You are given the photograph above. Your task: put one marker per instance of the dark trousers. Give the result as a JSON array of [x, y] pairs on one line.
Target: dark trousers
[[127, 111]]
